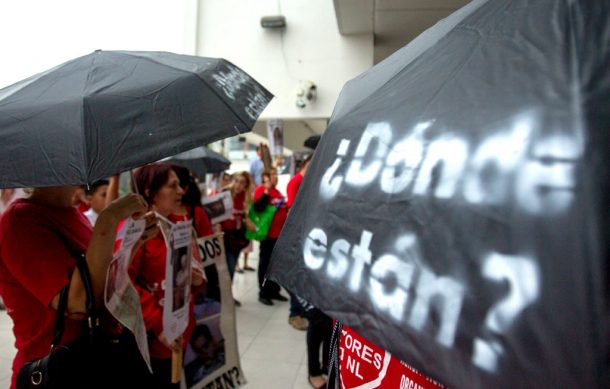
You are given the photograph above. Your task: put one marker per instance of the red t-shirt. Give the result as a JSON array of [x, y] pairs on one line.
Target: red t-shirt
[[147, 271], [293, 188], [275, 198], [201, 221], [35, 264], [237, 221]]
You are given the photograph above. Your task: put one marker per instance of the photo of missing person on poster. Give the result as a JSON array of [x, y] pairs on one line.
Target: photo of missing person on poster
[[181, 269], [205, 352]]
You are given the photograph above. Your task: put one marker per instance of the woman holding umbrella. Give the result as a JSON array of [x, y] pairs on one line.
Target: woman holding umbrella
[[39, 237], [160, 186]]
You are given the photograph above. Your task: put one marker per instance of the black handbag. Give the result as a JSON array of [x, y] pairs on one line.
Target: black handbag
[[96, 359], [235, 240]]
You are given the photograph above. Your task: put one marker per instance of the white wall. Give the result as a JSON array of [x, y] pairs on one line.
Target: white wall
[[39, 34], [310, 48]]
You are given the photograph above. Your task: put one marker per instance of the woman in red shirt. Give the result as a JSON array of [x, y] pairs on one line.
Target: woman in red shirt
[[191, 208], [37, 238], [159, 185], [235, 228]]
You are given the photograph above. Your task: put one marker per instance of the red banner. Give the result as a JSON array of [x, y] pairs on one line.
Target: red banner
[[366, 366]]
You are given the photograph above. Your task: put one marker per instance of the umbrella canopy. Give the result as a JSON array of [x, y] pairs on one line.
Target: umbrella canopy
[[202, 160], [456, 210], [111, 111], [312, 141]]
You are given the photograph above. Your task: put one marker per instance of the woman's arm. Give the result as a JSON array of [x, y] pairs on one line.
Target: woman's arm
[[100, 251]]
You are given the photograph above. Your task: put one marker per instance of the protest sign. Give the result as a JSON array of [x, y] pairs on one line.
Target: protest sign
[[177, 279], [275, 135], [219, 207], [363, 365], [211, 359], [120, 296]]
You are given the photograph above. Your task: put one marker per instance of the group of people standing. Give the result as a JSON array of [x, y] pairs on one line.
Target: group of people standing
[[40, 233], [302, 315]]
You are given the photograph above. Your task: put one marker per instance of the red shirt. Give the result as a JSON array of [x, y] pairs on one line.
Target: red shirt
[[237, 221], [293, 188], [147, 271], [275, 198], [35, 264], [201, 221]]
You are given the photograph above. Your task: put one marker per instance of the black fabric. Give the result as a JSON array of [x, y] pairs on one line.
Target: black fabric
[[202, 161], [456, 210], [267, 288], [235, 240], [319, 333], [95, 360], [261, 204], [99, 362], [111, 111]]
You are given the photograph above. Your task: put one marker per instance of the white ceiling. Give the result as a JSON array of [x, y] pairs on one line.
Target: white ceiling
[[393, 22]]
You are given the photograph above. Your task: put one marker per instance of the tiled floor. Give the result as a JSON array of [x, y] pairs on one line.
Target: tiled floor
[[273, 354]]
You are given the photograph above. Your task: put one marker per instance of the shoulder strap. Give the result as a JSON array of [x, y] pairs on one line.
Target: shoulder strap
[[83, 269], [81, 263], [59, 318]]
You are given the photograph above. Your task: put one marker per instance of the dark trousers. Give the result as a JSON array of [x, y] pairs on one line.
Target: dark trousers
[[295, 307], [319, 332], [270, 288], [162, 375]]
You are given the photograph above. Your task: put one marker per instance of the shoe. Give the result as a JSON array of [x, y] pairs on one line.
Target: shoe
[[239, 271], [279, 297], [237, 303], [248, 268], [317, 381], [298, 323], [265, 301]]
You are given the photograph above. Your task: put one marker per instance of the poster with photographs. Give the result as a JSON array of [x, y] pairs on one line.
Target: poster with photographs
[[120, 296], [177, 280], [275, 134], [219, 207], [211, 359]]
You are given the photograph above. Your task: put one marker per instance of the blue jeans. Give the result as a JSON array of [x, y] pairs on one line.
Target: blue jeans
[[231, 261]]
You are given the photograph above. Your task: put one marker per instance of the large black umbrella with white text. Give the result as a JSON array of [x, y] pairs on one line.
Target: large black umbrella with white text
[[111, 111], [456, 209]]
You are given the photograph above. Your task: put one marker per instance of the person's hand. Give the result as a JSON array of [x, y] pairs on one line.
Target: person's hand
[[129, 205], [176, 345], [250, 225]]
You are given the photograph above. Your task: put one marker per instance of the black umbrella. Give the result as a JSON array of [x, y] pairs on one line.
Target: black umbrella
[[108, 112], [312, 141], [456, 210], [202, 160]]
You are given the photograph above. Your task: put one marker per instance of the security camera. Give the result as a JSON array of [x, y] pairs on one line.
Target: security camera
[[306, 93]]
